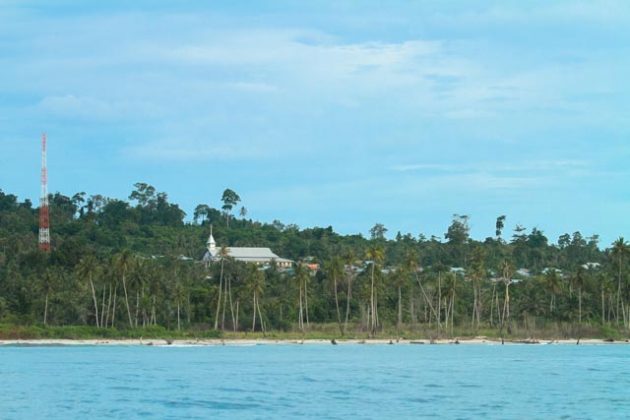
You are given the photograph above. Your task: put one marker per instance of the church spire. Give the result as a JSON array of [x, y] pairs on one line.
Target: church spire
[[212, 245]]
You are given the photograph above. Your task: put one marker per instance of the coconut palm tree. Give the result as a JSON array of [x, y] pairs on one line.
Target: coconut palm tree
[[578, 280], [619, 252], [223, 253], [375, 255], [87, 269], [477, 274], [507, 272], [335, 271], [349, 275], [256, 286], [399, 281], [48, 285], [552, 284], [413, 268], [180, 295], [123, 262]]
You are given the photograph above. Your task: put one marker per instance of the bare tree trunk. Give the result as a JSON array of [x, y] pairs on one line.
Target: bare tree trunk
[[306, 304], [439, 311], [137, 308], [427, 301], [114, 306], [337, 305], [229, 282], [109, 303], [236, 324], [46, 310], [216, 318], [179, 327], [262, 323], [95, 302], [580, 306], [399, 308], [254, 310], [127, 300], [225, 296], [349, 298], [103, 309], [603, 307], [301, 314], [188, 308], [372, 305]]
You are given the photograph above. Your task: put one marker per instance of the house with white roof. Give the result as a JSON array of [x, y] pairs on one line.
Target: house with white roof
[[252, 255]]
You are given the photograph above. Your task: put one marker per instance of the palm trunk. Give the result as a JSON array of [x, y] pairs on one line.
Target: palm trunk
[[46, 310], [216, 318], [103, 308], [114, 306], [236, 323], [300, 314], [337, 305], [127, 300], [580, 306], [427, 301], [603, 308], [225, 296], [262, 323], [179, 327], [95, 302], [399, 308], [137, 308], [349, 298], [372, 304], [306, 304], [229, 282], [254, 318], [109, 304], [439, 311]]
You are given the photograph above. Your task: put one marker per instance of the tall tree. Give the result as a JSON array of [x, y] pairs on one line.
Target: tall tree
[[87, 269], [375, 255], [123, 262], [229, 199], [335, 272]]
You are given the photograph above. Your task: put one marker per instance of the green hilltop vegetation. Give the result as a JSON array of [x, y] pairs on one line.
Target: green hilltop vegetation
[[133, 269]]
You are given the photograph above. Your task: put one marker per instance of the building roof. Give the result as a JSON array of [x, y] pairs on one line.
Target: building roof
[[247, 254]]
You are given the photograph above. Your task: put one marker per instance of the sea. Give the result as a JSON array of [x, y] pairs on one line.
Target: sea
[[288, 381]]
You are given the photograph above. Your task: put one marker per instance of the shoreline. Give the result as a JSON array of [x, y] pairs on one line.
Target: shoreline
[[264, 341]]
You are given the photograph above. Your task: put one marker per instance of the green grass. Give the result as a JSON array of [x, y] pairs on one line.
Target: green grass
[[327, 331]]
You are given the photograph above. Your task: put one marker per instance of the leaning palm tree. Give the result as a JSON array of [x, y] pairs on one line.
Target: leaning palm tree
[[256, 286], [413, 268], [301, 278], [123, 263], [87, 269]]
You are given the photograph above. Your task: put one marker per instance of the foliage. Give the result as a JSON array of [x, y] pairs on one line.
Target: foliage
[[120, 268]]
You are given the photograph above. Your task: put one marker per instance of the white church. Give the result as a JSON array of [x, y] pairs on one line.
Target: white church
[[253, 255]]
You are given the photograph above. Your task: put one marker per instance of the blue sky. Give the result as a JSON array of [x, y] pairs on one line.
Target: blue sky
[[329, 113]]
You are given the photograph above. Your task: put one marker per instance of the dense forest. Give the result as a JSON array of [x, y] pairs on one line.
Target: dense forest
[[120, 265]]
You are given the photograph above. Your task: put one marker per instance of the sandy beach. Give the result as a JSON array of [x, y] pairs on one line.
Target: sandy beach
[[254, 342]]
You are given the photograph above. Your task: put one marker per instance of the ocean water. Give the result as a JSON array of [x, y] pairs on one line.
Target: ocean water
[[318, 381]]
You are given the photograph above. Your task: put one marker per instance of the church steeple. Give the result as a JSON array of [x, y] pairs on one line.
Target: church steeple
[[212, 245]]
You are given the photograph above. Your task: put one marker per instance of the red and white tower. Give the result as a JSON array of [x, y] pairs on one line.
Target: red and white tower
[[44, 222]]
